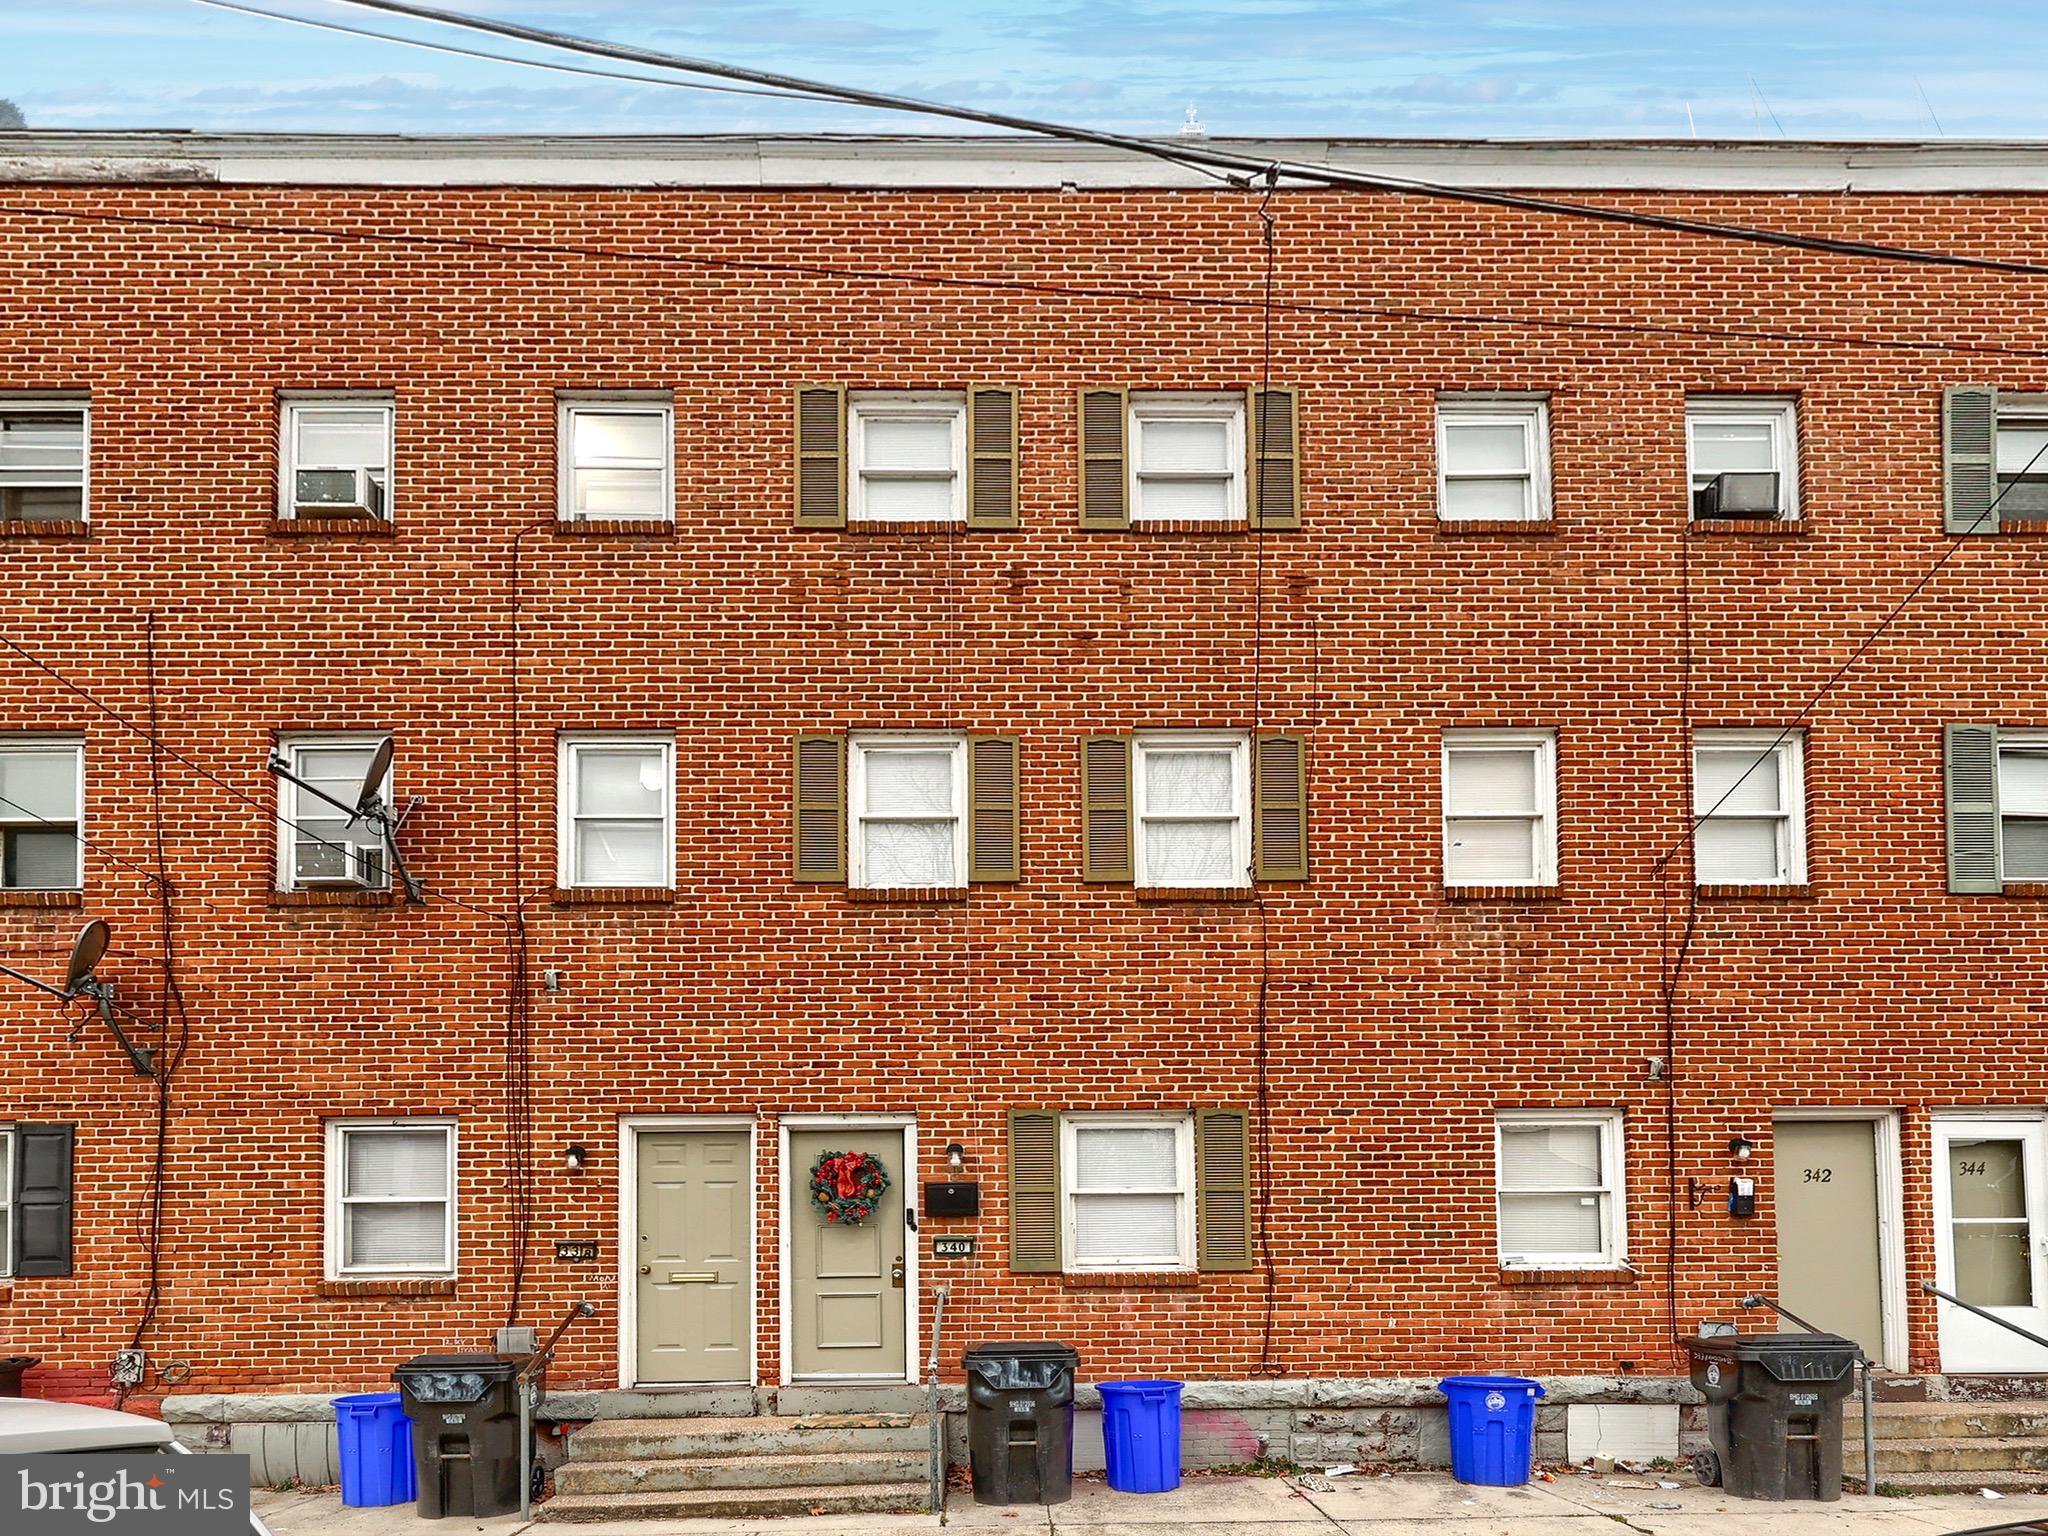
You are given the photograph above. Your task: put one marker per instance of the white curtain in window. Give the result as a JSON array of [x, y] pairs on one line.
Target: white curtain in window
[[617, 459], [1740, 792], [909, 819]]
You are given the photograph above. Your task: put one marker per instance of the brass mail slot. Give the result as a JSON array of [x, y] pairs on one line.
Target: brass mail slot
[[677, 1278]]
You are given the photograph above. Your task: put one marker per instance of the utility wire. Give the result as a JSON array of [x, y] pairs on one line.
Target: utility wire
[[1480, 319], [1183, 153]]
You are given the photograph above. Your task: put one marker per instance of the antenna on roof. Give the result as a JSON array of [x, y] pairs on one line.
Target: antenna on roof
[[1192, 128], [368, 806], [87, 950]]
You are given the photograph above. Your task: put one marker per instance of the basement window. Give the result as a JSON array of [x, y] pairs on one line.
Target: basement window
[[390, 1198], [43, 456], [42, 795], [1558, 1178], [1129, 1192]]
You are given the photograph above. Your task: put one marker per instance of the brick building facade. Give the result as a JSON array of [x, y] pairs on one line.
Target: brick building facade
[[1418, 1041]]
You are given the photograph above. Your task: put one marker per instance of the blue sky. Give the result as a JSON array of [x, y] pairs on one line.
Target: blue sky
[[1746, 68]]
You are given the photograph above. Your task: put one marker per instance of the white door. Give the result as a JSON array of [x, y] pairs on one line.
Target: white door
[[1990, 1229]]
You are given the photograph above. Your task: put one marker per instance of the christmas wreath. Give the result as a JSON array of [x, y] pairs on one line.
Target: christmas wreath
[[846, 1186]]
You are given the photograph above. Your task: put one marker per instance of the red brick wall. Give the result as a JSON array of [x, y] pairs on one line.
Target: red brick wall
[[1400, 1021]]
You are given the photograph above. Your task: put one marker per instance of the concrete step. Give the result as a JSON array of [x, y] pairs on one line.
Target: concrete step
[[764, 1472], [1950, 1482], [1988, 1453], [613, 1440], [1949, 1421], [739, 1503]]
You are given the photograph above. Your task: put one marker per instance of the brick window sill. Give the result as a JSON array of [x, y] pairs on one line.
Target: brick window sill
[[871, 527], [1189, 525], [1166, 894], [1756, 892], [1160, 1280], [335, 899], [42, 898], [2022, 528], [908, 896], [616, 527], [1751, 528], [1503, 893], [333, 528], [44, 528], [387, 1288], [1513, 1276], [614, 896], [1515, 527], [2026, 890]]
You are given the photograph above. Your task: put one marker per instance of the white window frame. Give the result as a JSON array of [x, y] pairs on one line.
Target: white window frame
[[10, 1173], [1162, 405], [290, 811], [2021, 741], [1788, 762], [1779, 412], [1531, 415], [1183, 1127], [568, 790], [568, 408], [1613, 1253], [10, 817], [52, 405], [338, 1132], [289, 408], [922, 405], [857, 749], [1238, 744], [1543, 744]]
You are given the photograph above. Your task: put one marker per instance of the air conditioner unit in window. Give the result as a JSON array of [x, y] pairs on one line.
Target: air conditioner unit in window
[[1738, 493], [345, 866], [338, 493]]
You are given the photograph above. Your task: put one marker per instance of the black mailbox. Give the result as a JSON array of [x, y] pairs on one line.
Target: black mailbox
[[952, 1199]]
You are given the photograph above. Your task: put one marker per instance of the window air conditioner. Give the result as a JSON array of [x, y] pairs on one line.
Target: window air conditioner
[[1738, 493], [339, 493]]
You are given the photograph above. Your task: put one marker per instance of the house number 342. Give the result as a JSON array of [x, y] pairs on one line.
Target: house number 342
[[1820, 1176]]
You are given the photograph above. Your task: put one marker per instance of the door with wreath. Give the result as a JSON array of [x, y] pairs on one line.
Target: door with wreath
[[847, 1293]]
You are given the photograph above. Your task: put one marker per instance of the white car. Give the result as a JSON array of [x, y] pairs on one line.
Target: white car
[[36, 1426]]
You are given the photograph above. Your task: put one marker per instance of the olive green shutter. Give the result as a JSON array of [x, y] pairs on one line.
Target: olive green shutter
[[1105, 477], [819, 832], [1274, 417], [992, 808], [821, 456], [1034, 1191], [1223, 1189], [1969, 452], [43, 1157], [991, 456], [1280, 807], [1970, 772], [1106, 809]]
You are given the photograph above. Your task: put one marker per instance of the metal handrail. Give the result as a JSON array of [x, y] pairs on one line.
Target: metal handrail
[[1990, 1317], [528, 1400], [931, 1389], [1749, 1303]]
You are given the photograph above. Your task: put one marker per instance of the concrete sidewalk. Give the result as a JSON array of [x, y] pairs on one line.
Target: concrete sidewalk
[[1406, 1505]]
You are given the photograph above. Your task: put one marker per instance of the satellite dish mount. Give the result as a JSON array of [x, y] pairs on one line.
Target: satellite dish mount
[[80, 980], [370, 808]]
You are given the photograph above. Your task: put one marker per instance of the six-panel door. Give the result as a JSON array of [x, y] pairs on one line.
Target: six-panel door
[[695, 1257]]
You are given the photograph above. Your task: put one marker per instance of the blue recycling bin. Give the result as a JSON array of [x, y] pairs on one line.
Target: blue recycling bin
[[1141, 1435], [1493, 1428], [376, 1450]]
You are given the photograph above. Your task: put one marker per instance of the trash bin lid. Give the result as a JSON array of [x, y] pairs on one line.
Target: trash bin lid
[[1047, 1351], [493, 1367]]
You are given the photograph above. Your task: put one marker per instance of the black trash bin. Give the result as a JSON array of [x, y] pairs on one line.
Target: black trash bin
[[1774, 1412], [465, 1432], [12, 1368], [1020, 1422]]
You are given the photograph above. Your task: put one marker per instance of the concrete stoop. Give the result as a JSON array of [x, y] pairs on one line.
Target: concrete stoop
[[1953, 1447], [677, 1468]]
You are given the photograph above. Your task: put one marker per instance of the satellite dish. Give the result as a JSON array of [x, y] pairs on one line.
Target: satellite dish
[[373, 778], [91, 944]]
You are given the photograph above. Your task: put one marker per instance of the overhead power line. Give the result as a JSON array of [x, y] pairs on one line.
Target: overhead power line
[[1183, 152]]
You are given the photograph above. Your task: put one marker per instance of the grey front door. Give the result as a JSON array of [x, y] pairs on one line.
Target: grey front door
[[695, 1257], [846, 1283], [1830, 1263]]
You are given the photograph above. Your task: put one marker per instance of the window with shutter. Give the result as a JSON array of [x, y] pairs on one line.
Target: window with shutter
[[821, 456], [1559, 1189], [1128, 1192], [391, 1198], [616, 799], [1499, 800], [908, 828], [1034, 1191], [907, 457], [1275, 467], [1223, 1184], [2023, 807], [1193, 809], [1749, 806], [42, 795], [1187, 458], [1281, 829], [1970, 774], [818, 821]]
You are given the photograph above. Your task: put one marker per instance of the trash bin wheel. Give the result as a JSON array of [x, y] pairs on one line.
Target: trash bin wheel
[[1706, 1466], [539, 1480]]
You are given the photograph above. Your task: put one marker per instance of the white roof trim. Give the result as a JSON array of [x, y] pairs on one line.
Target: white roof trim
[[1002, 161]]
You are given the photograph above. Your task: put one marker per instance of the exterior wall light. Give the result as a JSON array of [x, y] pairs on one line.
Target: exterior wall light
[[1741, 1148], [576, 1158]]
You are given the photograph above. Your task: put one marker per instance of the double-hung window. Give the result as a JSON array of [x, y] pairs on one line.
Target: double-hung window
[[2023, 807], [1500, 808], [908, 793], [617, 811], [1187, 458], [1128, 1193], [321, 842], [1493, 459], [1559, 1184], [7, 1180], [1742, 456], [337, 457], [390, 1198], [42, 797], [43, 456], [1748, 794], [617, 459], [1193, 807], [908, 454]]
